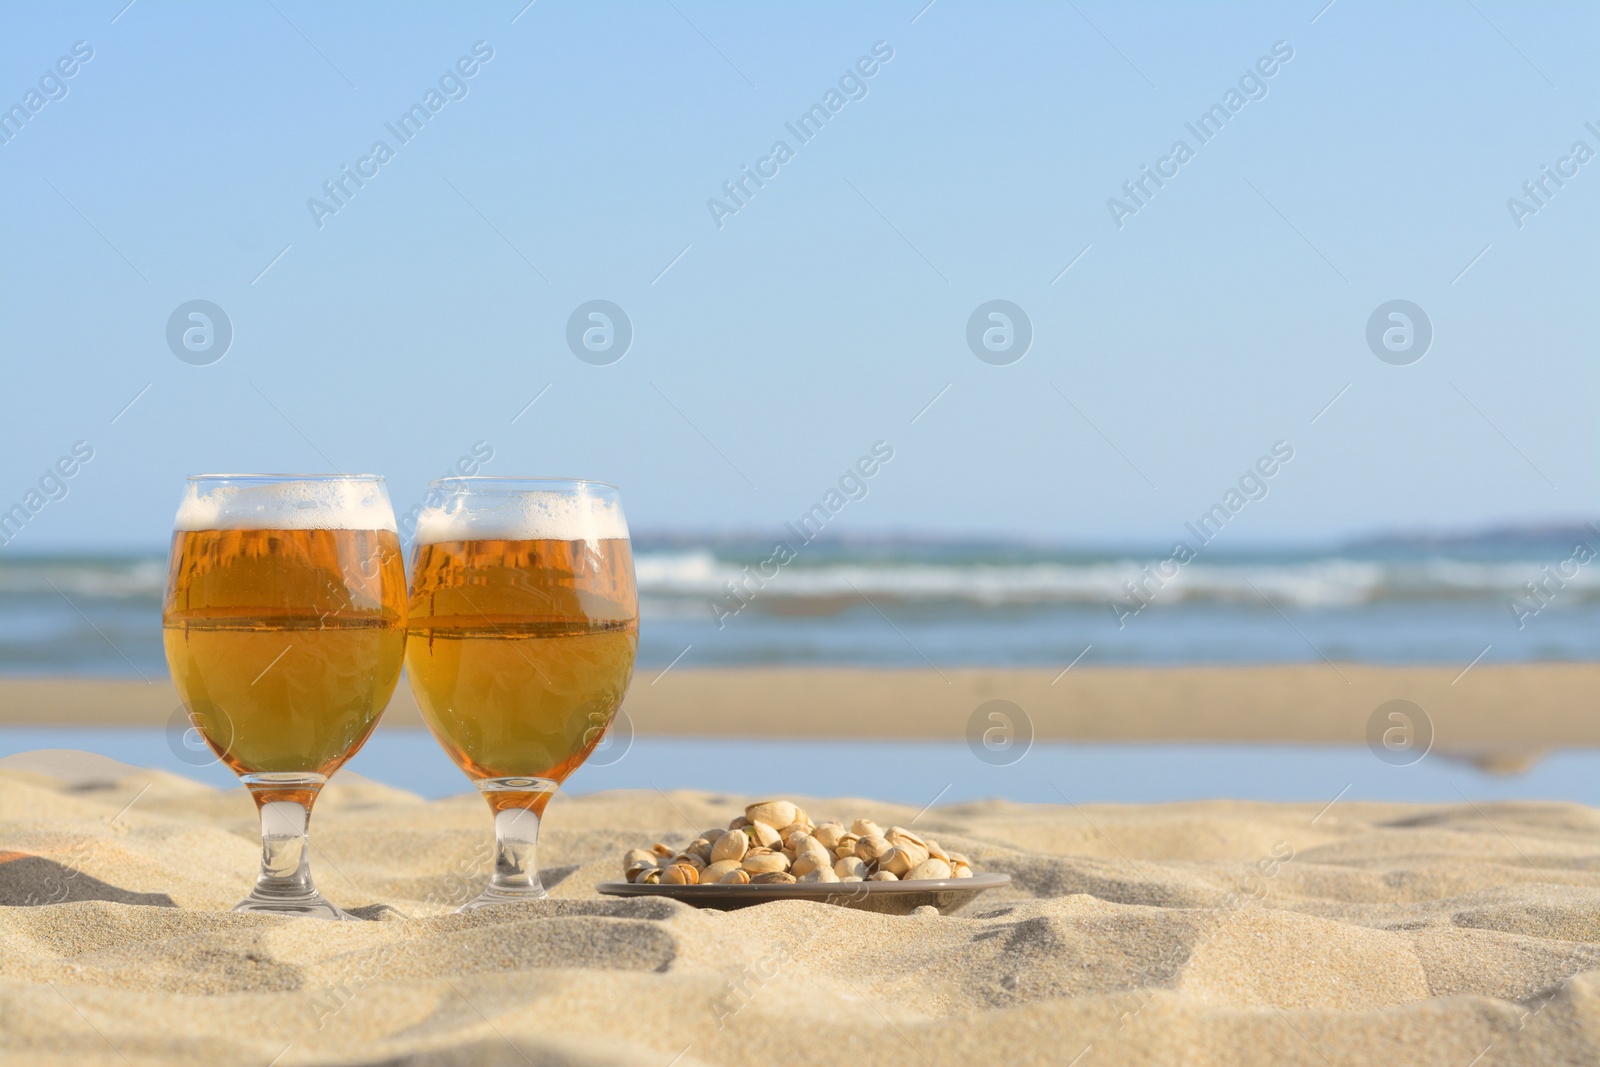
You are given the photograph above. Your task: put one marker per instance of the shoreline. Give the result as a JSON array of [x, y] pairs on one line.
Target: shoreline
[[1512, 707]]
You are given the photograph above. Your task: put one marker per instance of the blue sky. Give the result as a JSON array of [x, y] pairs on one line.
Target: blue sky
[[770, 352]]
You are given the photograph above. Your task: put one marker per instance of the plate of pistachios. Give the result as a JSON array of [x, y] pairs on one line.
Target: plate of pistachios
[[774, 851]]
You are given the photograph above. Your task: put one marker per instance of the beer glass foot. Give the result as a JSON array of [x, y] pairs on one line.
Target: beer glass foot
[[492, 897], [313, 906], [284, 886], [517, 804]]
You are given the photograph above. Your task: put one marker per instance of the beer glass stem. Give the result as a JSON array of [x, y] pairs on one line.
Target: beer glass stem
[[517, 804], [284, 886]]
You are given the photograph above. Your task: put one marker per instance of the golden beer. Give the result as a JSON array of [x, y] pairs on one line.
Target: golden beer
[[284, 623], [285, 644], [520, 651]]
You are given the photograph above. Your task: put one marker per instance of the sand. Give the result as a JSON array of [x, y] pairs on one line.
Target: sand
[[1506, 710], [1202, 933]]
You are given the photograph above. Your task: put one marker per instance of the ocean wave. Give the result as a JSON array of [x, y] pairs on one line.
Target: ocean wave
[[1319, 583], [681, 583], [92, 579]]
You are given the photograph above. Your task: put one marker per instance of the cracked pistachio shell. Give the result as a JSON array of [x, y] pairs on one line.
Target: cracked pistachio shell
[[680, 874], [764, 835], [638, 857], [866, 828], [909, 843], [872, 848], [772, 878], [850, 867], [962, 871], [897, 861], [648, 877], [830, 833], [737, 877]]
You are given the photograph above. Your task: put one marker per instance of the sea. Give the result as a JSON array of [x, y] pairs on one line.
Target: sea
[[1499, 596], [1514, 595]]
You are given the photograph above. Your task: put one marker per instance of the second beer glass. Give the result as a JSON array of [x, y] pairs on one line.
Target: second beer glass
[[524, 621]]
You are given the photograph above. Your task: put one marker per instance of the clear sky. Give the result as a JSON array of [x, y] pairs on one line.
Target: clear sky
[[771, 346]]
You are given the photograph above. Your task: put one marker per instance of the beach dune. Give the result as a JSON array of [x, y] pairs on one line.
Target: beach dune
[[1216, 932]]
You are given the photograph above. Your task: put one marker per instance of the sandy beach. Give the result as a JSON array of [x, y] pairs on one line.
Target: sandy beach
[[1216, 932]]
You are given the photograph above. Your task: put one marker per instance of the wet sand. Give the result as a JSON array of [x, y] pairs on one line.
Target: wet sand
[[1503, 708]]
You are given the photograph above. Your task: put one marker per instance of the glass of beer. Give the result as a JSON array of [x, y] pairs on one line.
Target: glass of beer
[[284, 625], [524, 621]]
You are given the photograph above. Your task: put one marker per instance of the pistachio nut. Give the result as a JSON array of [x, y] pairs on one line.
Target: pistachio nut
[[765, 863], [680, 874], [929, 868], [772, 878], [771, 812], [909, 843], [897, 861], [872, 847], [730, 847], [715, 871], [807, 862], [850, 867]]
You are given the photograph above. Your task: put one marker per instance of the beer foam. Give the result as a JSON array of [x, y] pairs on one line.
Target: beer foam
[[333, 504], [521, 516]]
